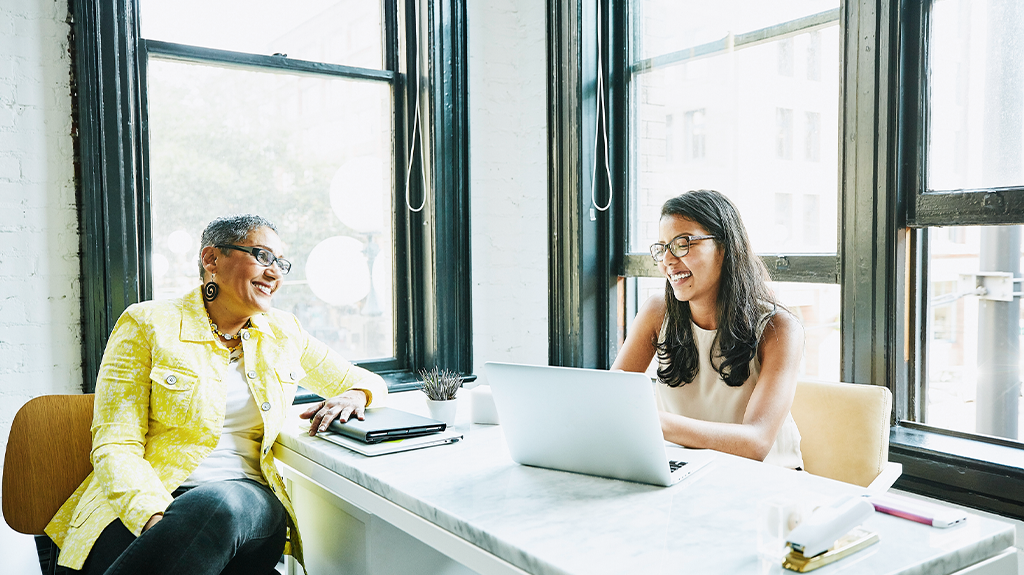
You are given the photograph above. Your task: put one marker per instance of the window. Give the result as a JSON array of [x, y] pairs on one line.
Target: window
[[783, 217], [814, 56], [694, 130], [964, 176], [783, 134], [812, 136], [785, 48], [223, 140], [929, 206], [304, 114], [972, 126], [812, 220], [730, 74]]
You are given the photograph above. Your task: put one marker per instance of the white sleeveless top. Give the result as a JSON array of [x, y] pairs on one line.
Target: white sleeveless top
[[708, 398]]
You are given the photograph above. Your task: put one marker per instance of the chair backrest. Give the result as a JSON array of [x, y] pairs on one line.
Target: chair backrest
[[844, 429], [47, 459]]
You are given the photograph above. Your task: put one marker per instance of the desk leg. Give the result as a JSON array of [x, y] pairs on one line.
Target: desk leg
[[339, 537]]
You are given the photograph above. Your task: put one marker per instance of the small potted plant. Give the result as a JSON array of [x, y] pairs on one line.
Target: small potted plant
[[440, 387]]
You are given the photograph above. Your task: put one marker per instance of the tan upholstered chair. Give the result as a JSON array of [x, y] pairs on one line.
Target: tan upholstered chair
[[844, 431], [47, 459]]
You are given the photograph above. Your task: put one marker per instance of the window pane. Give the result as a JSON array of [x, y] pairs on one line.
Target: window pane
[[754, 123], [815, 305], [312, 154], [348, 32], [973, 351], [663, 26], [976, 94]]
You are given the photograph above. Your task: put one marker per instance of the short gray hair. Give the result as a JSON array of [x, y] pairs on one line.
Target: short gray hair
[[230, 230]]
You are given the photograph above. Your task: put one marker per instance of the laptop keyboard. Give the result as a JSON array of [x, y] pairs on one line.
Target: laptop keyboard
[[673, 465]]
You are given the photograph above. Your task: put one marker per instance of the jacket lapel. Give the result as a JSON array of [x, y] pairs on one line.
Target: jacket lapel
[[195, 324]]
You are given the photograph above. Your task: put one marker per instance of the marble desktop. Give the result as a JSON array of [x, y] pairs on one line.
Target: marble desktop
[[551, 522]]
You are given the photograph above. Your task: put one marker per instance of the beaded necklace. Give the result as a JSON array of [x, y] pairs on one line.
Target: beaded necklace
[[227, 336], [234, 353]]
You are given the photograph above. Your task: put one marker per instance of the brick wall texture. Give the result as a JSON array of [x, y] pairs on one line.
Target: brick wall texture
[[40, 296]]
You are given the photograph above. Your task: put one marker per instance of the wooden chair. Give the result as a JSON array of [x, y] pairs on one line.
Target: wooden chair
[[844, 431], [47, 459]]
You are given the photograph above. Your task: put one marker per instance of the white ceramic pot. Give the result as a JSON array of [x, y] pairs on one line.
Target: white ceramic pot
[[443, 410]]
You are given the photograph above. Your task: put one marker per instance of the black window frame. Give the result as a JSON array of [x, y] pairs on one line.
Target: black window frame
[[589, 259], [974, 470], [433, 315], [797, 267], [880, 259]]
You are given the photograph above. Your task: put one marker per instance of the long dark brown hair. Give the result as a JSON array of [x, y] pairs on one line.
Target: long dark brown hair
[[743, 296]]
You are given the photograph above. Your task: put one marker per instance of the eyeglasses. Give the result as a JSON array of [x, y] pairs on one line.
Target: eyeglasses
[[679, 246], [263, 257]]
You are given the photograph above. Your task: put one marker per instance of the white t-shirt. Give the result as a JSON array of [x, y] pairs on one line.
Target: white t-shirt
[[237, 455]]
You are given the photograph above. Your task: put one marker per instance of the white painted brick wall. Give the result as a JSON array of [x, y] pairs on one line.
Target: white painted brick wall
[[40, 299], [508, 163]]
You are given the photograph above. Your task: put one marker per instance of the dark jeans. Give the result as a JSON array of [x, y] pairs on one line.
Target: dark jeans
[[224, 527]]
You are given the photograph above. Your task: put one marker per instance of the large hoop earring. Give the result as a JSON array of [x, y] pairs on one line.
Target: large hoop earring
[[210, 290]]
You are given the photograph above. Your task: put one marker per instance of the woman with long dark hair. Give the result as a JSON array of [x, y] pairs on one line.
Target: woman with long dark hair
[[728, 353]]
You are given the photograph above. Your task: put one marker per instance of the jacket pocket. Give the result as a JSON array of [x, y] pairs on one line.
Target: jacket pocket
[[170, 396], [289, 376], [292, 374]]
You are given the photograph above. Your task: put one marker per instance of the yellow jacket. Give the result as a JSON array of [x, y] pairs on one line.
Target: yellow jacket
[[159, 411]]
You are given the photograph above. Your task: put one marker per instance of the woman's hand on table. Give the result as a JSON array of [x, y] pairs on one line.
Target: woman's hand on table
[[341, 407]]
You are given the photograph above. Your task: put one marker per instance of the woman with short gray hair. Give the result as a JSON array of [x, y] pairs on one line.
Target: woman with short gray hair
[[190, 397]]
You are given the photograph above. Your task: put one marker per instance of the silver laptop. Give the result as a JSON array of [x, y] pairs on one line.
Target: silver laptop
[[587, 421]]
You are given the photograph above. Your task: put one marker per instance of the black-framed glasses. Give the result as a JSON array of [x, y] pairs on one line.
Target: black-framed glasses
[[263, 257], [679, 246]]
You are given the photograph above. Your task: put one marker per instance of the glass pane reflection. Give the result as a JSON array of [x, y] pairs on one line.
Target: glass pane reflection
[[312, 154], [973, 352], [663, 26], [975, 82], [347, 32], [759, 124]]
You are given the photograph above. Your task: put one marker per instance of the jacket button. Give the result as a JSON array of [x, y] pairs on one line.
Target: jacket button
[[292, 375], [251, 374], [265, 406], [171, 379], [245, 335]]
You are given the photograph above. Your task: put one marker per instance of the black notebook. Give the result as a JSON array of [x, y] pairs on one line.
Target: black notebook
[[385, 424]]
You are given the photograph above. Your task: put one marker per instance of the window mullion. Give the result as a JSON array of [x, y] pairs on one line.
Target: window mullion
[[198, 54], [869, 243], [969, 207], [107, 86], [808, 268], [447, 304]]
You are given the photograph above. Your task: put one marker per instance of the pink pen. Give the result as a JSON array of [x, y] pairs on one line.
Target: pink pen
[[901, 513], [919, 511]]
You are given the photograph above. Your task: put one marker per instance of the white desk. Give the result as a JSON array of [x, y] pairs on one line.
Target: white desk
[[468, 508]]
